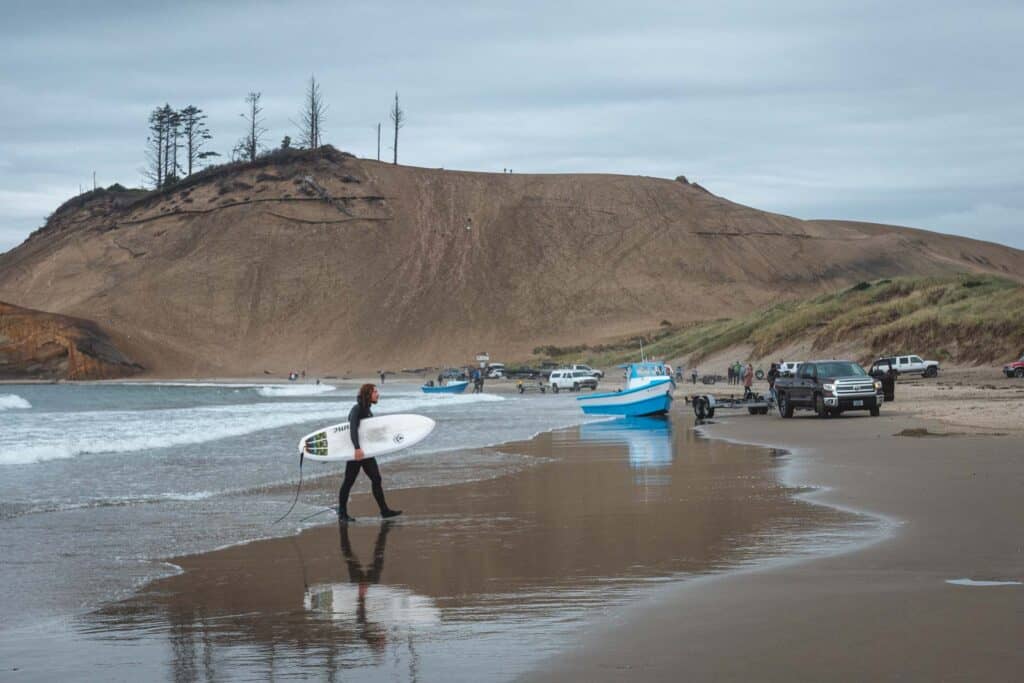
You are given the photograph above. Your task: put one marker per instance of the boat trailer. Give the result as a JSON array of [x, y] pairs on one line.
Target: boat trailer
[[704, 405]]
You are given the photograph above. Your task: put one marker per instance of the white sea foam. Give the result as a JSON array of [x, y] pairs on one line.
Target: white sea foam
[[972, 582], [33, 438], [12, 401], [279, 390]]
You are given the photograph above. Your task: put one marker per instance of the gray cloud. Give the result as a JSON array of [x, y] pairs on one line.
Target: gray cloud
[[908, 114]]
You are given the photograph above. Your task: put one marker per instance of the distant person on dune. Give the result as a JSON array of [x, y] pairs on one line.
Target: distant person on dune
[[368, 396]]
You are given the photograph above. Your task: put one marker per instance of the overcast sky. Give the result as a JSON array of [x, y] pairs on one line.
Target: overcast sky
[[909, 113]]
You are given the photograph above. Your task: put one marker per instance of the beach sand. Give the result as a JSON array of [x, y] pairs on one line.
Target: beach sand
[[885, 611]]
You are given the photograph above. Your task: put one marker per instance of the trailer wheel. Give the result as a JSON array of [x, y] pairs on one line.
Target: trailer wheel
[[701, 408]]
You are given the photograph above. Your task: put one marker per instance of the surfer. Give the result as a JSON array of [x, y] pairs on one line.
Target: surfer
[[368, 396]]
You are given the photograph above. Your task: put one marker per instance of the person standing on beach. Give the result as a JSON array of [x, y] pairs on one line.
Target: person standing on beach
[[368, 396], [748, 380]]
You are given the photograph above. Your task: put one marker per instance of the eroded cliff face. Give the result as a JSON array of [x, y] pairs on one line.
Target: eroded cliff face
[[38, 345]]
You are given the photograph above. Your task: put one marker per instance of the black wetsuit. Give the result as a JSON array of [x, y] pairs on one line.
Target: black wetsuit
[[352, 467]]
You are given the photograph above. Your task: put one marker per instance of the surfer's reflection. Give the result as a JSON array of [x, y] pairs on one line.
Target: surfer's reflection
[[375, 635], [377, 612]]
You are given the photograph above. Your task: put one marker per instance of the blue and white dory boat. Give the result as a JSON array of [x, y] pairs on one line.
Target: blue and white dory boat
[[648, 392], [450, 388]]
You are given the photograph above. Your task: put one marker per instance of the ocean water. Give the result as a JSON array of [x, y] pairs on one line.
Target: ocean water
[[99, 483]]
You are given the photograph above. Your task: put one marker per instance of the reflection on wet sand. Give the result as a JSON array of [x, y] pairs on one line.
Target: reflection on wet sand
[[483, 578], [377, 613], [648, 439]]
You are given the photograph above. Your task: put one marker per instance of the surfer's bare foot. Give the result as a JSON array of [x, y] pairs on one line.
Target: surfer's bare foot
[[343, 517], [390, 513]]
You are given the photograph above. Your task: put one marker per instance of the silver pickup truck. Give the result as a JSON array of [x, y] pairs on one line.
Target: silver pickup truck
[[829, 387]]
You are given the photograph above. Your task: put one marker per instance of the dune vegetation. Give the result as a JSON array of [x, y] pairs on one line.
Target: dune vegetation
[[964, 319]]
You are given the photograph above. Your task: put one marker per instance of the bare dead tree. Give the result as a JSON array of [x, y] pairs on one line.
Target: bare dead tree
[[154, 171], [195, 132], [397, 118], [311, 118], [252, 143], [172, 143]]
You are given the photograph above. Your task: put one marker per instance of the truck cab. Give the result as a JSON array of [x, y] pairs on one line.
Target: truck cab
[[829, 388]]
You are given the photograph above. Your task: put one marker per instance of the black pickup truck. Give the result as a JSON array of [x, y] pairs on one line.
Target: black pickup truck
[[829, 387]]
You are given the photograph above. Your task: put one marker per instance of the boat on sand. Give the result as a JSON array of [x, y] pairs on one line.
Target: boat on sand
[[648, 392]]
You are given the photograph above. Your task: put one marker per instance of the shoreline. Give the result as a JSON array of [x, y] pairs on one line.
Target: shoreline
[[758, 623], [504, 554]]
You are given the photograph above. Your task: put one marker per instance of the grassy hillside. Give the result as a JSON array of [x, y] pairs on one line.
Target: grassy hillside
[[966, 319]]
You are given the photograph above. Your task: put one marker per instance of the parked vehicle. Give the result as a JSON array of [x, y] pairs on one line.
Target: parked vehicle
[[495, 371], [1015, 369], [573, 380], [589, 370], [788, 368], [829, 387], [522, 373], [907, 365]]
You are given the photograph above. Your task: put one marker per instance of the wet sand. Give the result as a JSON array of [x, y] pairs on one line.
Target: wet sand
[[882, 612], [478, 581]]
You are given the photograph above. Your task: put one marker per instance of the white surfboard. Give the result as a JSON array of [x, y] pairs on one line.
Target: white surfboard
[[377, 435]]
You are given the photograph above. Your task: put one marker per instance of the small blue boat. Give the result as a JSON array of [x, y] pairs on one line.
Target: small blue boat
[[450, 388], [648, 392]]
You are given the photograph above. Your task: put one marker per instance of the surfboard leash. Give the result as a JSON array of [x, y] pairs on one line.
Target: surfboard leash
[[298, 488]]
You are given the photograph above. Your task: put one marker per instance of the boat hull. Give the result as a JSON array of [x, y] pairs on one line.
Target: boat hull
[[450, 388], [653, 399]]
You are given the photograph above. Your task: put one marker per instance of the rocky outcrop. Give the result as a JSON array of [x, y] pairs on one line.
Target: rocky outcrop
[[38, 345]]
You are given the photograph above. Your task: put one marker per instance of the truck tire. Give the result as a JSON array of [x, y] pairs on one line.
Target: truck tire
[[931, 371], [575, 387], [759, 374], [753, 411], [785, 406], [711, 413], [1018, 373], [875, 411], [554, 388], [820, 409]]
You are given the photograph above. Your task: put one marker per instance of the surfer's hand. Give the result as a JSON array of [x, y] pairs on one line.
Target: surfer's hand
[[359, 455]]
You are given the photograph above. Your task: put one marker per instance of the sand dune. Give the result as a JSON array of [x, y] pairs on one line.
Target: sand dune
[[333, 263]]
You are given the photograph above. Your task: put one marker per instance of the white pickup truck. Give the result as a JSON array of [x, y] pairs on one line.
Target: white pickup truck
[[906, 365], [594, 372]]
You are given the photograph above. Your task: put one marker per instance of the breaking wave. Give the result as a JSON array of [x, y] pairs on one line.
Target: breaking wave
[[52, 436], [13, 401]]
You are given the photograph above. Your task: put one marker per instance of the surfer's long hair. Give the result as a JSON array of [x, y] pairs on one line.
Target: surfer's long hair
[[365, 395]]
